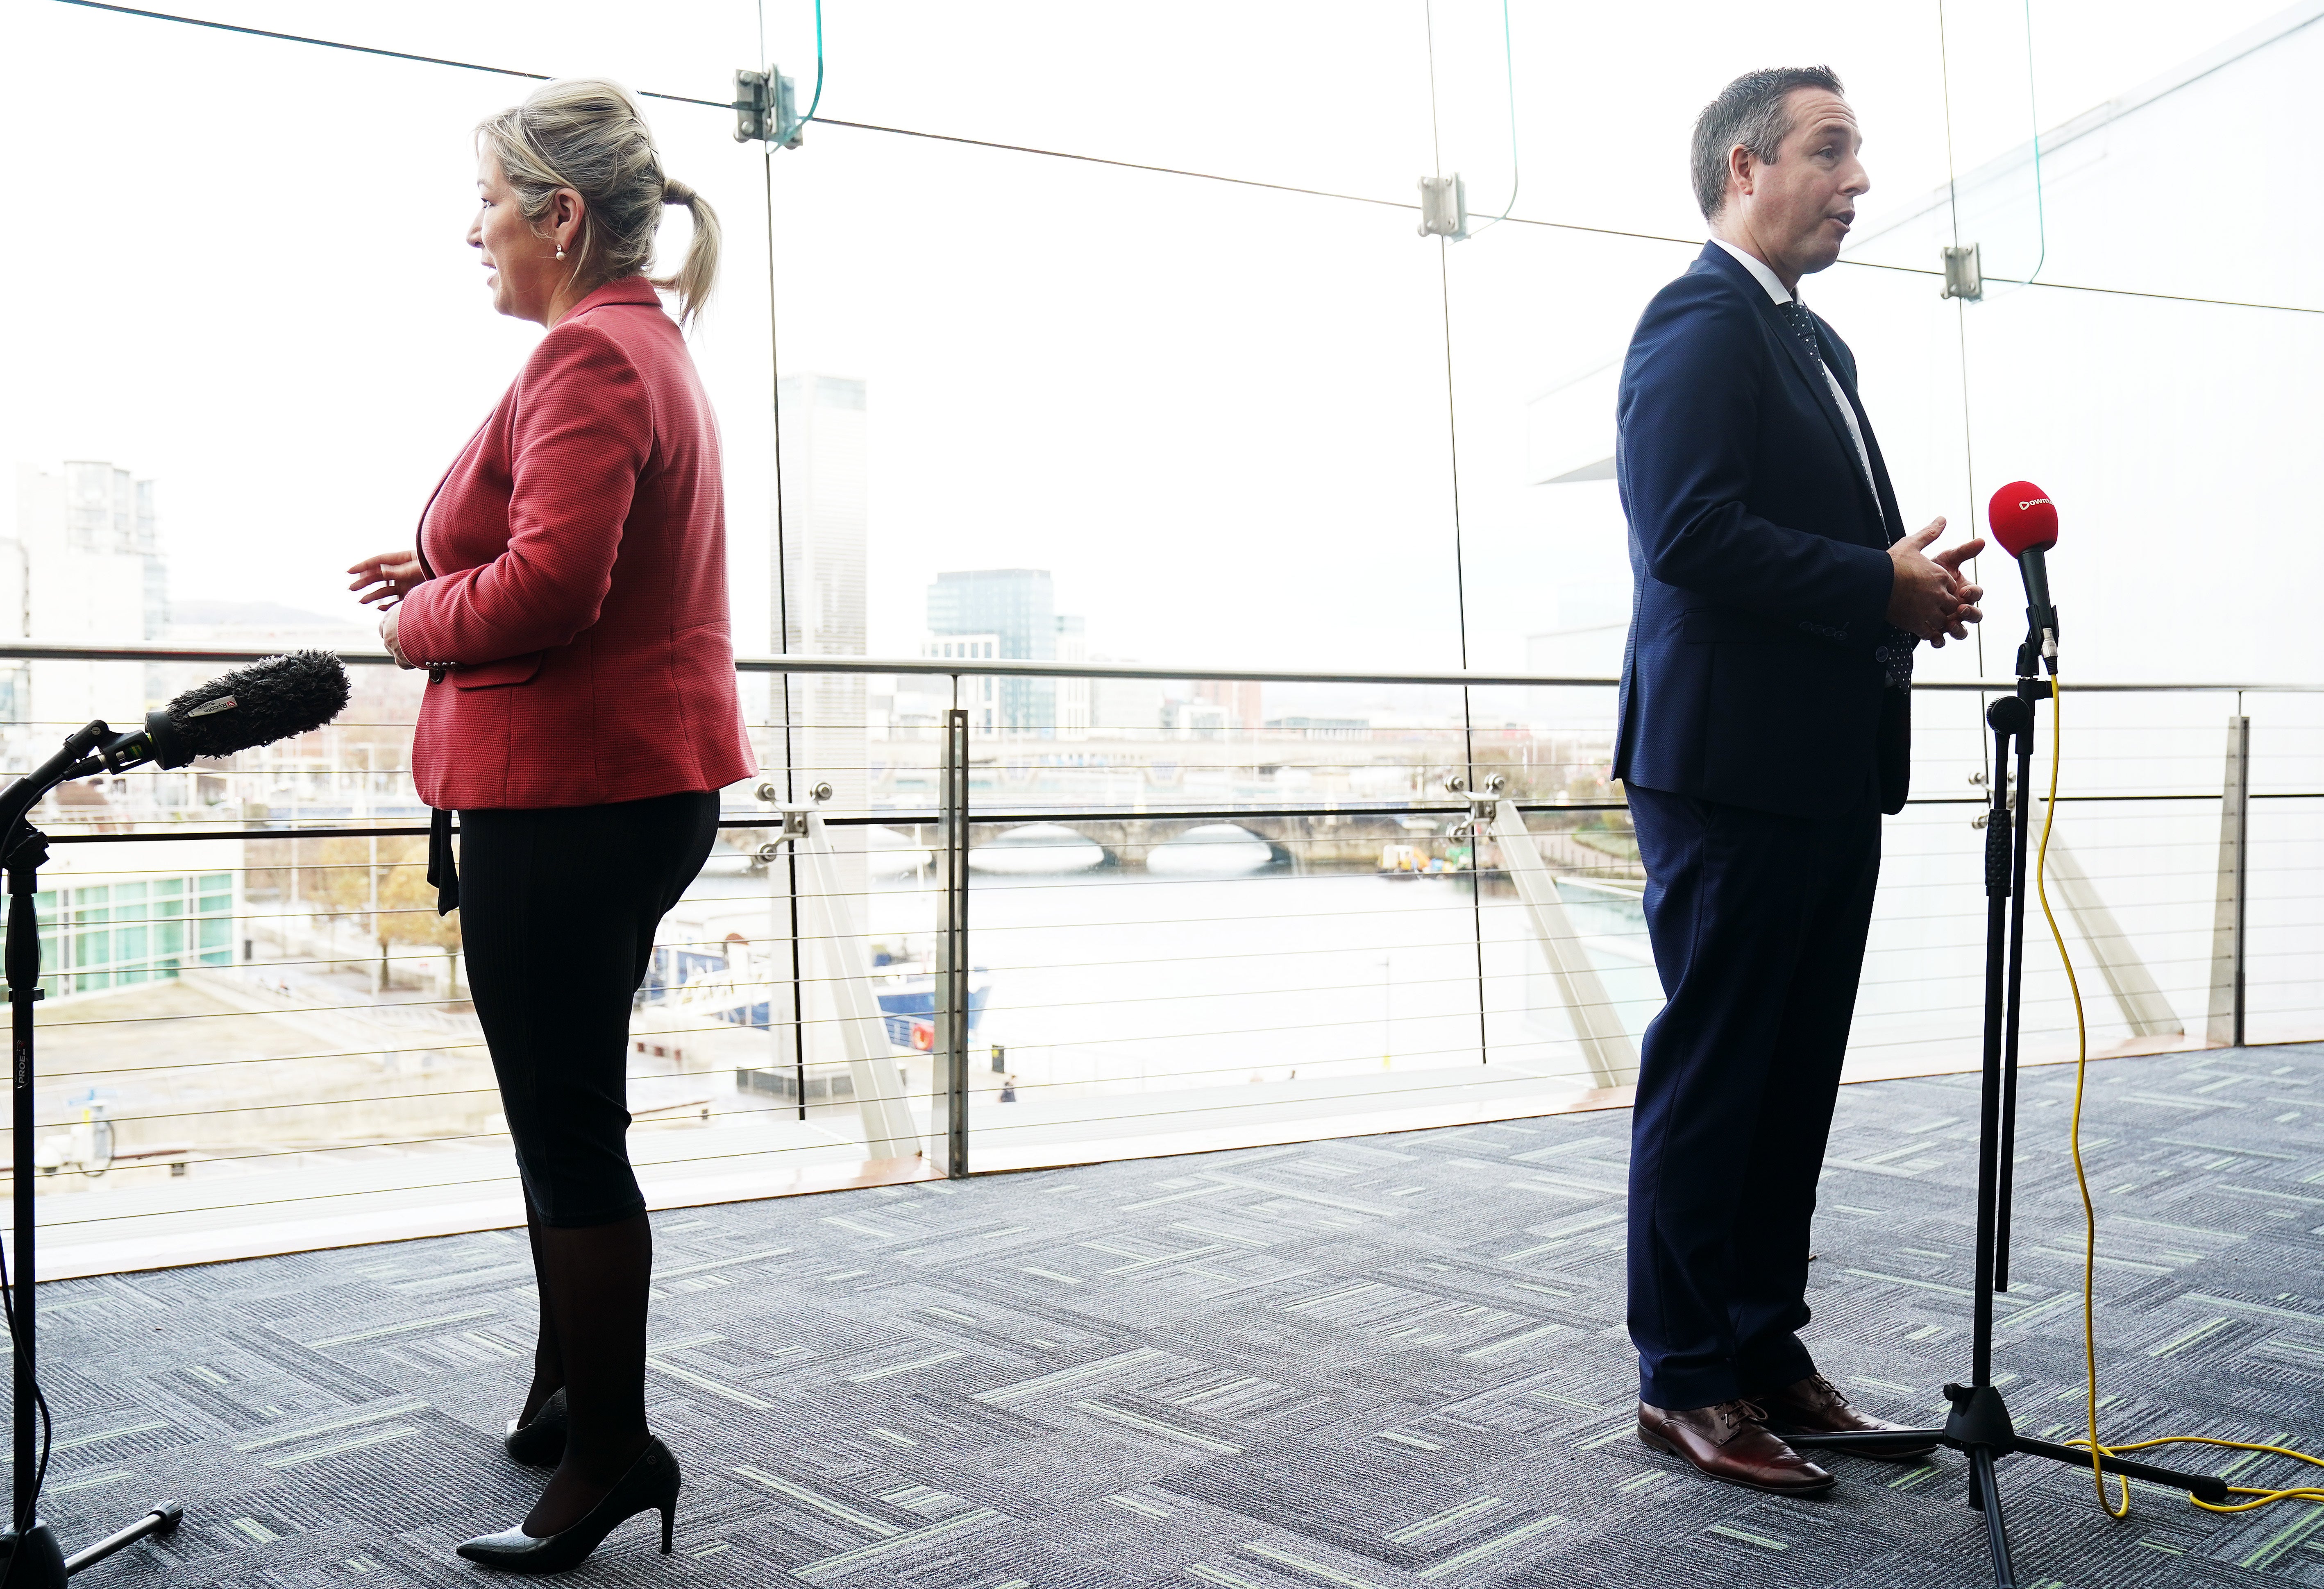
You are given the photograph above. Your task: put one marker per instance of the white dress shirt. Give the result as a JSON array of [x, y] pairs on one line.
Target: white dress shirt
[[1777, 293]]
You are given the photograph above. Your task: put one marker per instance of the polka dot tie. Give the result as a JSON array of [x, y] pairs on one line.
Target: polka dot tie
[[1802, 325]]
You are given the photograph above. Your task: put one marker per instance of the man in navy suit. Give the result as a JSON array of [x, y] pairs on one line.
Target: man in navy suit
[[1765, 722]]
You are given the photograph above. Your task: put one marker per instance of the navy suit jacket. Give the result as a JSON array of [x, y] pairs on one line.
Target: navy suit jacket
[[1749, 519]]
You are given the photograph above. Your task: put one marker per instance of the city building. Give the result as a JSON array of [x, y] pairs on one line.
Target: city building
[[1017, 607], [978, 692], [82, 564], [1238, 700], [1197, 719], [103, 929], [1321, 727]]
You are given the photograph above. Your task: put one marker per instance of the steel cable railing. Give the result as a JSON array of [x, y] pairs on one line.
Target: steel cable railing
[[1137, 1001]]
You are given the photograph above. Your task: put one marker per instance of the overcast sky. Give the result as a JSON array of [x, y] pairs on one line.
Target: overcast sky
[[1218, 413]]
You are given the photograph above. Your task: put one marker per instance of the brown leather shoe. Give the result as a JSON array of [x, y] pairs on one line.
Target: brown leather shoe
[[1814, 1405], [1731, 1442]]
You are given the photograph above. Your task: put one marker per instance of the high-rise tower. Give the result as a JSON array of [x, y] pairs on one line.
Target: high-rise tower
[[820, 605]]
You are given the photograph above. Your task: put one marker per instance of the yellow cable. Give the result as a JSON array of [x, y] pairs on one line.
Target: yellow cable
[[2090, 1223], [2074, 1131]]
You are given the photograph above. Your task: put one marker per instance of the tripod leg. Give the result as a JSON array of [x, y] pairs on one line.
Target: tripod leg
[[1988, 1501], [2208, 1487], [160, 1520]]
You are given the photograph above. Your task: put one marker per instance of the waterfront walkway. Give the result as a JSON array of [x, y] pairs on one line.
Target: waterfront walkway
[[1361, 1363]]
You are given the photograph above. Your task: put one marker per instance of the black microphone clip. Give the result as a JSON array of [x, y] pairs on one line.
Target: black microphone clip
[[2040, 648], [156, 742]]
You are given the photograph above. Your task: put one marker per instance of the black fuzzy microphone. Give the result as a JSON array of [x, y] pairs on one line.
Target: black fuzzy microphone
[[251, 706], [267, 701]]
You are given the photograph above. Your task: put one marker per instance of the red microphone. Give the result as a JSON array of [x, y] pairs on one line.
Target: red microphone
[[2026, 522], [2024, 518]]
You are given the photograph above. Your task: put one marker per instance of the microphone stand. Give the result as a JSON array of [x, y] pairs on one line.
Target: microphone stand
[[1979, 1425], [33, 1558]]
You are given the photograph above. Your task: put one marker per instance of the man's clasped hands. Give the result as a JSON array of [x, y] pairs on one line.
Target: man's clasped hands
[[1931, 597]]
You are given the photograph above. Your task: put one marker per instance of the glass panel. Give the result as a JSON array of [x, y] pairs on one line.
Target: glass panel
[[1333, 96], [2125, 112], [2114, 457], [2284, 871], [1165, 968], [1236, 453], [2129, 879]]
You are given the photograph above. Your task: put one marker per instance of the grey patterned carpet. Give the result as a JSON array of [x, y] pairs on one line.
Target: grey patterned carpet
[[1384, 1361]]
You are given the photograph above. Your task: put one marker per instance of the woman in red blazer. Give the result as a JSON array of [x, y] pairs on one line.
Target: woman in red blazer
[[567, 596]]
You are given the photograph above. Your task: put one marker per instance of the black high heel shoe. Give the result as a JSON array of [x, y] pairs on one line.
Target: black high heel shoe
[[652, 1484], [542, 1442]]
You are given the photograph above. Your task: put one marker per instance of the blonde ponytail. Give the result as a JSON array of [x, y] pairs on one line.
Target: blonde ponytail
[[699, 273]]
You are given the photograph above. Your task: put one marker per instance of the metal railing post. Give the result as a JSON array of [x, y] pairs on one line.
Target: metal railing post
[[2225, 1025], [949, 1054]]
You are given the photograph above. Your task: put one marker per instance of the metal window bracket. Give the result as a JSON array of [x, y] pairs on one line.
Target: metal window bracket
[[1444, 207], [794, 817], [1964, 275], [1482, 801], [766, 109]]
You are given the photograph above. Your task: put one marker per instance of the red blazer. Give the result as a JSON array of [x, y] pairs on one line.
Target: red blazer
[[573, 611]]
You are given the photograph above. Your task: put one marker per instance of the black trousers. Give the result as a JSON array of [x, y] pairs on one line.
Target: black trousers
[[1758, 924], [557, 913]]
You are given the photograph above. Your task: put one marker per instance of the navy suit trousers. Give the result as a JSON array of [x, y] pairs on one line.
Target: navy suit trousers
[[1758, 923]]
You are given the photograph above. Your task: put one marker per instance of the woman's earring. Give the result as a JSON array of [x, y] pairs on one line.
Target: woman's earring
[[561, 250]]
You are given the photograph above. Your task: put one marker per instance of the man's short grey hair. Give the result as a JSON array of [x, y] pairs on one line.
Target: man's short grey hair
[[1749, 111]]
